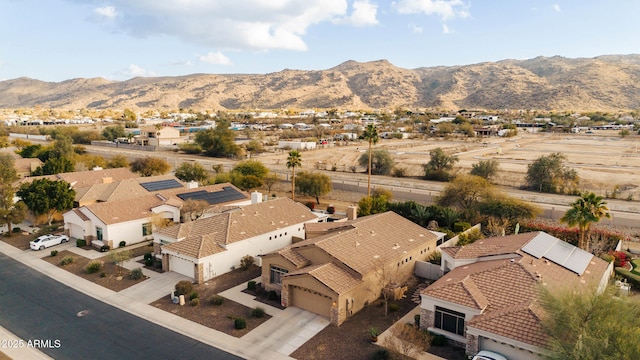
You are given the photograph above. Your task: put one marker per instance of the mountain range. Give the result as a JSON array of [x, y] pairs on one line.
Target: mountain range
[[603, 83]]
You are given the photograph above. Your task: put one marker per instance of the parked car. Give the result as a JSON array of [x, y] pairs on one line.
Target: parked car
[[488, 355], [45, 241]]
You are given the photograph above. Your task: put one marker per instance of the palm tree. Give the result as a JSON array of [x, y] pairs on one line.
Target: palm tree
[[371, 135], [294, 160], [589, 208]]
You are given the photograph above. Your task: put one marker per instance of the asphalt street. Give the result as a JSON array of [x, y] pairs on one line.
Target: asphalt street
[[66, 324]]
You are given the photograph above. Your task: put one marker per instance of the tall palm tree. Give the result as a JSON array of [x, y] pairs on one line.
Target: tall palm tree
[[371, 135], [589, 208], [294, 160]]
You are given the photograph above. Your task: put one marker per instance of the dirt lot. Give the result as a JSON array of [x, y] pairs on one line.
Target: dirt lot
[[603, 160]]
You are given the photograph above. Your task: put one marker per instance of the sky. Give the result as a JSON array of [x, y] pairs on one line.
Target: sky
[[57, 40]]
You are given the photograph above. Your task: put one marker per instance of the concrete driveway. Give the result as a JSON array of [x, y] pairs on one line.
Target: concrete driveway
[[287, 331]]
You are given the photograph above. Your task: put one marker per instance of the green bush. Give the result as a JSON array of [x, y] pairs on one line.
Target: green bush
[[460, 227], [381, 354], [81, 242], [240, 323], [435, 258], [148, 256], [122, 243], [272, 295], [16, 229], [416, 320], [195, 302], [54, 252], [257, 312], [469, 237], [251, 285], [103, 274], [331, 209], [393, 307], [438, 339], [216, 300], [136, 274], [67, 260], [148, 262], [194, 295], [184, 287], [93, 267], [246, 262]]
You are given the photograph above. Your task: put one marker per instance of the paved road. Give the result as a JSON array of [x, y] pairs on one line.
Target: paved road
[[36, 307]]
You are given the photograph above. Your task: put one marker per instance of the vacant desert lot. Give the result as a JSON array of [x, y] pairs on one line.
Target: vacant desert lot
[[603, 160]]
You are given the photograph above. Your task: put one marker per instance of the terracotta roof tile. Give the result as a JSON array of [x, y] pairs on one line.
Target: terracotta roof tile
[[196, 246], [331, 275]]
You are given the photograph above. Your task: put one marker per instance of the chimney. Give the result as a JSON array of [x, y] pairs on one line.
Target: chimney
[[352, 213], [192, 185], [107, 180], [256, 197]]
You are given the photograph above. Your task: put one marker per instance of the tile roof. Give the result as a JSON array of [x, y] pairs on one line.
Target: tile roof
[[506, 290], [331, 275], [243, 223], [81, 215], [197, 246]]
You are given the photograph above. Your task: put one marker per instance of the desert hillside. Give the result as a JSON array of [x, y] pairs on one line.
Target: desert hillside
[[604, 83]]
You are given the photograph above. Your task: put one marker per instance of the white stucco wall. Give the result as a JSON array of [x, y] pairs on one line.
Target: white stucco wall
[[130, 232]]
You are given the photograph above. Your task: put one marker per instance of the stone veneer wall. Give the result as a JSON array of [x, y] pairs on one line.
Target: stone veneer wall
[[199, 273], [284, 296], [165, 262], [427, 317], [156, 248], [472, 345]]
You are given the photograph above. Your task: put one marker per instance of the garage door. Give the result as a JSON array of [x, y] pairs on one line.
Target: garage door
[[505, 349], [310, 300], [181, 266]]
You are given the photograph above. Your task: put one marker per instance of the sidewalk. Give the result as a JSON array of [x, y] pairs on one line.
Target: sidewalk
[[131, 301], [17, 350]]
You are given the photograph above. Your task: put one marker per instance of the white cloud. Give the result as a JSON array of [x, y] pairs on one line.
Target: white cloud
[[556, 7], [182, 63], [364, 14], [233, 24], [415, 28], [446, 30], [107, 11], [130, 72], [446, 9], [216, 58]]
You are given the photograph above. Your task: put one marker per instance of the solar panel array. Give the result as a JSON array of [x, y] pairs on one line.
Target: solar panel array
[[218, 197], [558, 251], [161, 185]]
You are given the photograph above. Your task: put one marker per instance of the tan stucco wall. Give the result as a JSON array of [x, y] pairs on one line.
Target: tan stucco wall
[[278, 261]]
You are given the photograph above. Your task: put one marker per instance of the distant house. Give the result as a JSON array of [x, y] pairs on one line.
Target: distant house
[[344, 266], [297, 145], [487, 300], [163, 136], [213, 245], [25, 167]]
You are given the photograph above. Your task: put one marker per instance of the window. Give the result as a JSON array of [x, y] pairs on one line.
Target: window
[[276, 274], [449, 320], [146, 229]]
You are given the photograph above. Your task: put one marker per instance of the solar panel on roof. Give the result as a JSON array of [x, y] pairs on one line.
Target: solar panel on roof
[[227, 194], [161, 185], [560, 252]]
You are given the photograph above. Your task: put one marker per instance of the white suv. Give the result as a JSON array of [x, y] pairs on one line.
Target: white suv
[[45, 241], [488, 355]]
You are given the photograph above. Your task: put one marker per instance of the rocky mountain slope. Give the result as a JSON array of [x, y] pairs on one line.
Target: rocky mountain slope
[[605, 83]]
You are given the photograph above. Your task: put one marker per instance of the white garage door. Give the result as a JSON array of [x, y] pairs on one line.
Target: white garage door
[[181, 266], [76, 231], [511, 353], [311, 301]]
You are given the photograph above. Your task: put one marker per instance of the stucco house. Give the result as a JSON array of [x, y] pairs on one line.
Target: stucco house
[[346, 265], [130, 219], [214, 244], [163, 136], [487, 300]]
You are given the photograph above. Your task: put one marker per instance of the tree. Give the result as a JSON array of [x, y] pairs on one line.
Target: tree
[[118, 161], [270, 180], [8, 173], [371, 135], [549, 174], [313, 184], [55, 165], [466, 192], [381, 162], [113, 132], [118, 258], [254, 147], [218, 142], [191, 172], [150, 166], [587, 209], [487, 169], [375, 204], [10, 213], [193, 209], [251, 167], [503, 211], [584, 325], [439, 165], [293, 161], [46, 197], [62, 148]]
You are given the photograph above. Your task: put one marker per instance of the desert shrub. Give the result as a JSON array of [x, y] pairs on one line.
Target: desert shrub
[[607, 257], [246, 262], [148, 262], [195, 302], [184, 287], [469, 237], [93, 267], [104, 248], [460, 227], [251, 285], [398, 171], [81, 242], [620, 258], [16, 229], [311, 204], [393, 307], [272, 295], [194, 295], [122, 243], [148, 256], [381, 354], [136, 274], [438, 339], [435, 258], [240, 323], [216, 300], [103, 274], [54, 252], [257, 312], [67, 260]]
